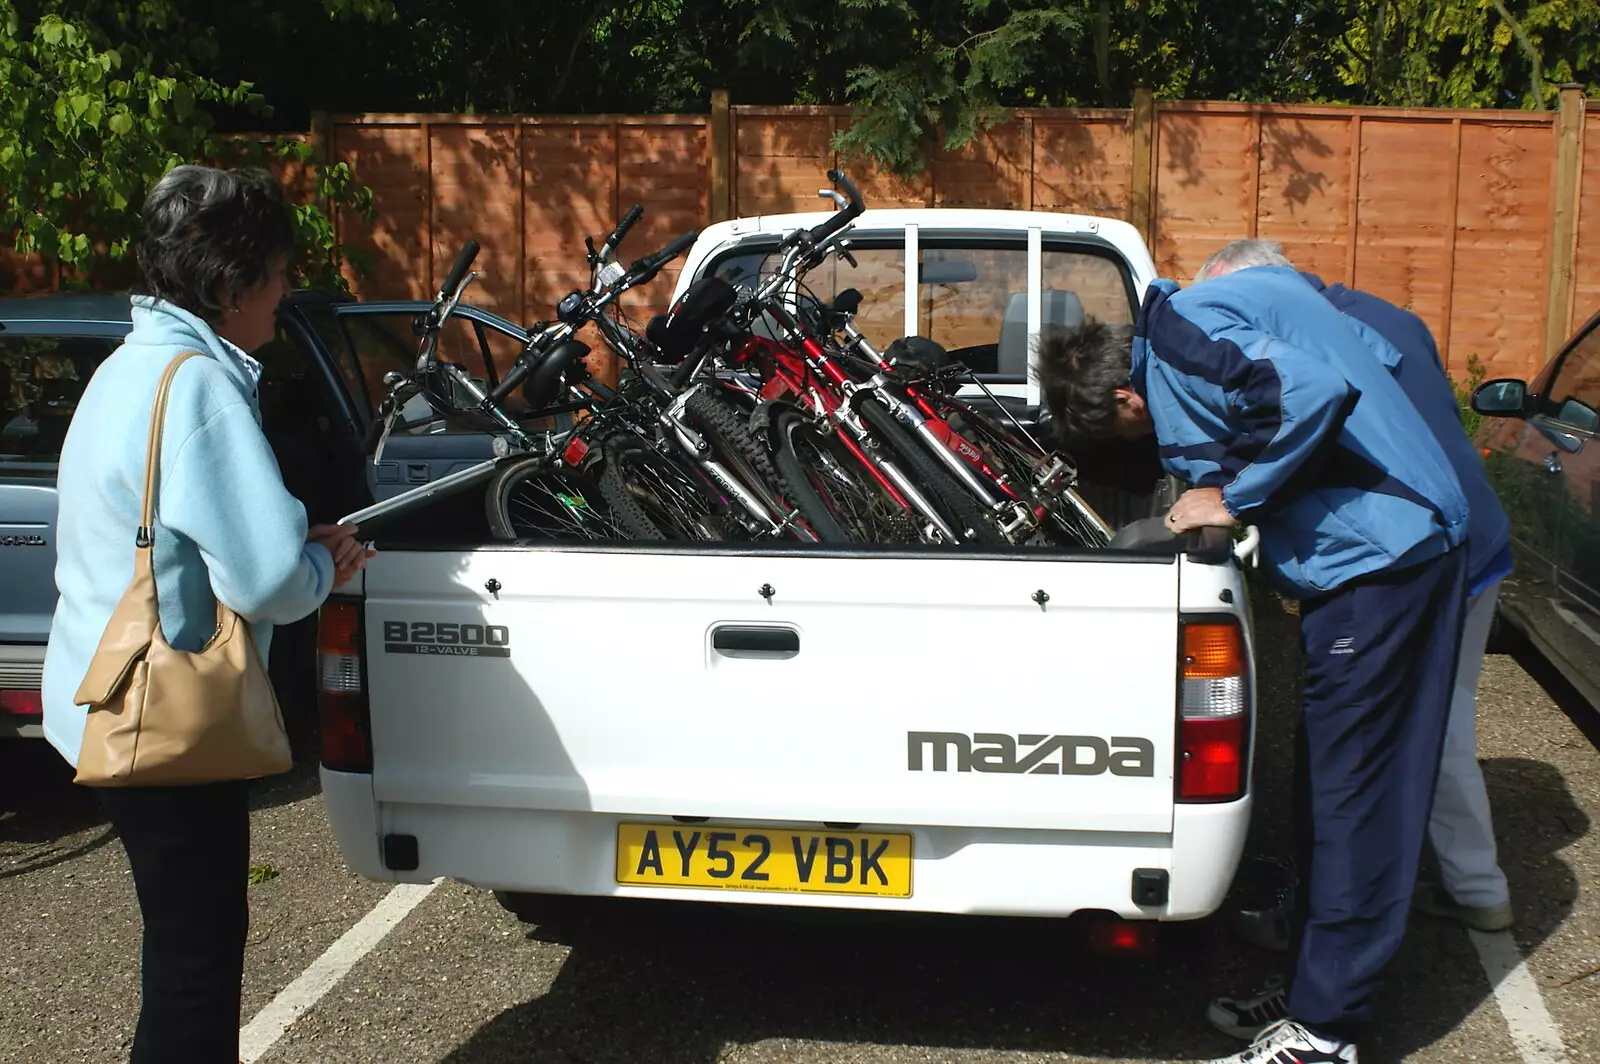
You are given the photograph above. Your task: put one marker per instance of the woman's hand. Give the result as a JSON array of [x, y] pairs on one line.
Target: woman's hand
[[349, 556]]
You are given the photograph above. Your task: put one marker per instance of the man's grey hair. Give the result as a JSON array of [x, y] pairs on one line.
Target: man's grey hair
[[1243, 253]]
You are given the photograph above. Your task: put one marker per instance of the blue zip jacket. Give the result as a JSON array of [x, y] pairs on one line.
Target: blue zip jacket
[[1421, 375], [225, 525], [1258, 385]]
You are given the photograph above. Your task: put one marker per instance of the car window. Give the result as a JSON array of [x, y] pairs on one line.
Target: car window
[[972, 292], [325, 323], [386, 341], [879, 275], [1578, 377], [41, 381]]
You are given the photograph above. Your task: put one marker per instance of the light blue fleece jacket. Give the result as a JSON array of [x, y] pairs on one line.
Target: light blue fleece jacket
[[226, 528]]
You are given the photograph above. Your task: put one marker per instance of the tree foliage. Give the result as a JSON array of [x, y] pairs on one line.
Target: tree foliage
[[95, 107]]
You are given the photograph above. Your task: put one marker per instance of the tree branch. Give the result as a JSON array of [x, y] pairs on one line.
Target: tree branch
[[1528, 50]]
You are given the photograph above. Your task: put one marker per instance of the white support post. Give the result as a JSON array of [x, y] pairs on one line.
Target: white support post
[[913, 261], [1035, 308]]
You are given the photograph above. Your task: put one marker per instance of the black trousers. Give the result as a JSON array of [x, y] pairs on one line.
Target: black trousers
[[190, 852], [1380, 670]]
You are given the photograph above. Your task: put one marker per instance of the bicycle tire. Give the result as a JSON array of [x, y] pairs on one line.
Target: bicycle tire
[[735, 444], [626, 484], [891, 524], [531, 499], [960, 508]]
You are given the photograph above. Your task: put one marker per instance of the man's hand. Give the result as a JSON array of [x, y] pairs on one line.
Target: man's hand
[[1200, 508], [349, 556]]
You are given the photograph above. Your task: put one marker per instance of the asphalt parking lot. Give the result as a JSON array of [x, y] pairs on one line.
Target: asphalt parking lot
[[459, 981]]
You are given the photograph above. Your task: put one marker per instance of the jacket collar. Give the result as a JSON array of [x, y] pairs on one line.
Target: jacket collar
[[162, 324]]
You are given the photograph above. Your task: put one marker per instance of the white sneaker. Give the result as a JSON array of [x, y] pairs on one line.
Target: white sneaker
[[1286, 1042]]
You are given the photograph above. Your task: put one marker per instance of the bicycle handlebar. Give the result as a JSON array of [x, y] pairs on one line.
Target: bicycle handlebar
[[620, 233], [646, 268], [841, 218], [458, 271]]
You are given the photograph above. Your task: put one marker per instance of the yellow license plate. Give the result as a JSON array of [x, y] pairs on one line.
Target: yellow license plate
[[785, 860]]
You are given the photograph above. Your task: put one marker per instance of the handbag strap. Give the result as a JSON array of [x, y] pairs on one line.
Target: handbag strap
[[152, 461]]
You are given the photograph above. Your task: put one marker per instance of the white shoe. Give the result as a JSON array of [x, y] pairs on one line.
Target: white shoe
[[1286, 1042]]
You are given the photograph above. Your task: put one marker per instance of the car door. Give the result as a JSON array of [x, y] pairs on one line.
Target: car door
[[1546, 470], [374, 339]]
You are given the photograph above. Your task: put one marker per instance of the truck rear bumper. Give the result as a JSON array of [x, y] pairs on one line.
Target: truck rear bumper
[[977, 871]]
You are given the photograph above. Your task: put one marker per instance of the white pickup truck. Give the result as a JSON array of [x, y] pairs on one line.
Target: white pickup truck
[[1031, 732]]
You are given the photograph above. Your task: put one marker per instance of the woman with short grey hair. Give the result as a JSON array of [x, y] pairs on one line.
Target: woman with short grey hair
[[214, 256]]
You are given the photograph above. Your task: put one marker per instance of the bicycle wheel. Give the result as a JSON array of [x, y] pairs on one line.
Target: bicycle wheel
[[838, 497], [531, 499], [1069, 520], [963, 512], [651, 497], [737, 448]]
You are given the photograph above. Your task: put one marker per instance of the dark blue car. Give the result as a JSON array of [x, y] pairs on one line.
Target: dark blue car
[[320, 388]]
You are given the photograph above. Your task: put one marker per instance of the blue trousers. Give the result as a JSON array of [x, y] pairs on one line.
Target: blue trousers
[[1380, 656]]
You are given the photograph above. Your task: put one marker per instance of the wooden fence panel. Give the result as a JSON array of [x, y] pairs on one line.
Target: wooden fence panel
[[475, 178], [1406, 213], [1083, 165], [1205, 186], [569, 191], [667, 169], [392, 160], [1304, 197], [1586, 271], [1500, 248], [780, 160], [994, 170]]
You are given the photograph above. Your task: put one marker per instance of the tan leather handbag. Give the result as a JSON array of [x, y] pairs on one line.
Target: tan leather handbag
[[159, 716]]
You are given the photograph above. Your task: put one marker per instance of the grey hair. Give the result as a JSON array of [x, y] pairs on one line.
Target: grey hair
[[1241, 254]]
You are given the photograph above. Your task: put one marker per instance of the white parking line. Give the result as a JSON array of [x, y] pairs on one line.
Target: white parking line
[[1536, 1035], [261, 1033]]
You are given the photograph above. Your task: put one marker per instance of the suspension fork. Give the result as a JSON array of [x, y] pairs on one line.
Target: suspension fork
[[678, 428], [886, 471], [917, 419]]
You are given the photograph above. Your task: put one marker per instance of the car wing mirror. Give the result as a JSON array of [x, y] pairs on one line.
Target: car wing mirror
[[1505, 397]]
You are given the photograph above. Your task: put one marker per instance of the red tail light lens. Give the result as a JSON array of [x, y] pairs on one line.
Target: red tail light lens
[[1214, 712], [1213, 760], [1123, 938], [22, 703], [342, 710]]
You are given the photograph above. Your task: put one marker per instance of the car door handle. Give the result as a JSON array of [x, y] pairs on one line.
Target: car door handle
[[417, 472], [751, 641]]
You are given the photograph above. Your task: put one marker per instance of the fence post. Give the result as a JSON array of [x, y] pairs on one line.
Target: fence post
[[321, 139], [1144, 132], [1563, 230], [721, 157]]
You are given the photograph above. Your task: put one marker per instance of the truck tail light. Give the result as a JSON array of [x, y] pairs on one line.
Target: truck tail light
[[1213, 712], [22, 703], [342, 711]]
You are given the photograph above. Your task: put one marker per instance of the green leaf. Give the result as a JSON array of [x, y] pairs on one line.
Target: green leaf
[[261, 874], [121, 123], [50, 30]]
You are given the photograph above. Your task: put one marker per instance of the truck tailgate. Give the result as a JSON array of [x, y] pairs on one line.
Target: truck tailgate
[[812, 687]]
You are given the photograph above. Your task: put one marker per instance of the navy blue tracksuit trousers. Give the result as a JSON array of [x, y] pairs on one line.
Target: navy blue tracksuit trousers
[[1380, 658]]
